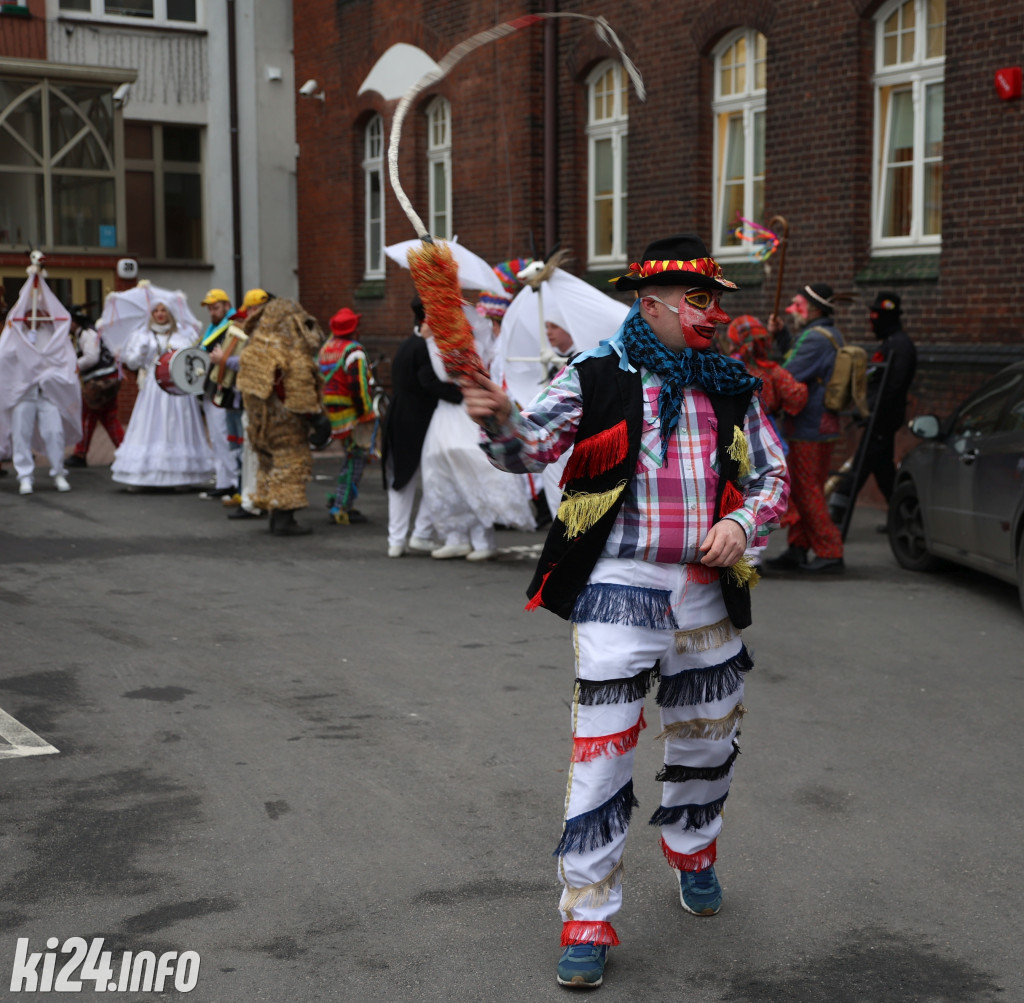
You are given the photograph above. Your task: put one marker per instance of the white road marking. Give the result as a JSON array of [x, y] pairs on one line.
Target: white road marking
[[21, 741]]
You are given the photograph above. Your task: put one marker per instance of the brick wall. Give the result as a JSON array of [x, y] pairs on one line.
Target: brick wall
[[24, 37], [819, 132]]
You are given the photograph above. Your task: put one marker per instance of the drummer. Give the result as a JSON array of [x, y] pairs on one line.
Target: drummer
[[165, 444]]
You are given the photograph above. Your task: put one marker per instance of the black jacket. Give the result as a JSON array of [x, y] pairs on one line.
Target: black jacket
[[415, 391]]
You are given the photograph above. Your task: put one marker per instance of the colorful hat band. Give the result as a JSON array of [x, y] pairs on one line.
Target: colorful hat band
[[701, 266]]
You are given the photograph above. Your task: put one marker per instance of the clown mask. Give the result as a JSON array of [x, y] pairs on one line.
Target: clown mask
[[798, 311], [699, 314]]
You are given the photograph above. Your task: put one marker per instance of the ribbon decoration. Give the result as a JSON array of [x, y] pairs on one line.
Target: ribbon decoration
[[764, 242]]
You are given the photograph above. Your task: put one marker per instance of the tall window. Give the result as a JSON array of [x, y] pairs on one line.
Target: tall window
[[910, 46], [739, 105], [439, 166], [152, 11], [373, 197], [164, 191], [607, 149], [58, 180]]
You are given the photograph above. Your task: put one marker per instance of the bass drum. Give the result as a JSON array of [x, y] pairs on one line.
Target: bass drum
[[182, 372]]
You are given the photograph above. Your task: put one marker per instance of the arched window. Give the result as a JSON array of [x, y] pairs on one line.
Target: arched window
[[739, 103], [439, 166], [607, 141], [373, 197], [910, 46]]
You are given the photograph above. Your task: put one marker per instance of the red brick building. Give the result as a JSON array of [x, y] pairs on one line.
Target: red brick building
[[875, 129]]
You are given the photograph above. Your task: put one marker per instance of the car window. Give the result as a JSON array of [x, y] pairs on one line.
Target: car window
[[1013, 417], [981, 414]]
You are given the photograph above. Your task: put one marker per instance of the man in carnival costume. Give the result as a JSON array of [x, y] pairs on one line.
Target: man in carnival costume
[[349, 405], [812, 433], [674, 471], [281, 386]]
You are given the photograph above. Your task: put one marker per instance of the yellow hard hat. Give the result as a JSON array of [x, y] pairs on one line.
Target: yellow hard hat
[[255, 297], [215, 296]]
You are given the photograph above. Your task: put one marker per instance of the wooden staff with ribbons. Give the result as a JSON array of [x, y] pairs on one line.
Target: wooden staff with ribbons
[[783, 231]]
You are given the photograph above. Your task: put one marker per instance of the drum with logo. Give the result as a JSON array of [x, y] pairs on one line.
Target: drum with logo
[[182, 372]]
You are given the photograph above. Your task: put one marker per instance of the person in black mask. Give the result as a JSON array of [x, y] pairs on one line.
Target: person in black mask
[[887, 393]]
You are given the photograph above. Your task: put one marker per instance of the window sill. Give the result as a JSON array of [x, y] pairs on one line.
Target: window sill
[[141, 24], [369, 289], [195, 266], [746, 274], [19, 11], [900, 268]]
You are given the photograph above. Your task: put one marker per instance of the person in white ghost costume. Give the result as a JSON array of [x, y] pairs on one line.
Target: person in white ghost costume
[[527, 359], [165, 443], [465, 495], [40, 395]]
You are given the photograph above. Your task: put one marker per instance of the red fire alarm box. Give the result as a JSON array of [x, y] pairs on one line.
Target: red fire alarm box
[[1008, 82]]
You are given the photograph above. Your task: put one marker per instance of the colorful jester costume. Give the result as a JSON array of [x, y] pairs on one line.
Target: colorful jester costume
[[665, 445], [349, 405]]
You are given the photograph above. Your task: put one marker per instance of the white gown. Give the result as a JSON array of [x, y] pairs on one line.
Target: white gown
[[165, 443], [464, 492]]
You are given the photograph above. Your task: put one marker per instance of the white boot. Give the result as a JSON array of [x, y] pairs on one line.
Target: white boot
[[62, 483], [25, 486]]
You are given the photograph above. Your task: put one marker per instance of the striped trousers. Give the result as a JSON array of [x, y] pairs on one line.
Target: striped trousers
[[638, 624]]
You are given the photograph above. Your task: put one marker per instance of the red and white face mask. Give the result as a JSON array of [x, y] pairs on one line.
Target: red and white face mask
[[798, 311], [699, 313]]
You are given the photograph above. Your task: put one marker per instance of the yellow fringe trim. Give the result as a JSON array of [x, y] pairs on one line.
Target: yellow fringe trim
[[743, 572], [705, 727], [582, 509], [740, 451], [597, 892], [705, 638]]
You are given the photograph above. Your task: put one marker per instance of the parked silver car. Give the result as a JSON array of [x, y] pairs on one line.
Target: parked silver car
[[959, 494]]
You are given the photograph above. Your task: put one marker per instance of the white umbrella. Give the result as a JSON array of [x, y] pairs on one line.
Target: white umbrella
[[474, 272], [127, 311], [586, 313]]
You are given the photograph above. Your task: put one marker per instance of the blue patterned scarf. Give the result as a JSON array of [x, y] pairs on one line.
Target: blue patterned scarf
[[713, 373]]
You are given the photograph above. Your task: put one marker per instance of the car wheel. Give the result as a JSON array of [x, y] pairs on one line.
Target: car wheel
[[906, 531]]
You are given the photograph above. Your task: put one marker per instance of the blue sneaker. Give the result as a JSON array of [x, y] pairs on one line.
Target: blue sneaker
[[581, 966], [700, 892]]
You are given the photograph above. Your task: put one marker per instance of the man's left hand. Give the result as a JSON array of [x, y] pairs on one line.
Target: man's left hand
[[724, 545]]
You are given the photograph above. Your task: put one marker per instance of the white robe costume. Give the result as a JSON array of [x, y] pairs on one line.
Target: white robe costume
[[40, 396], [165, 444], [464, 493]]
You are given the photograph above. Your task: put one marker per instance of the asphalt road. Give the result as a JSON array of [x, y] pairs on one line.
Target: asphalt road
[[337, 776]]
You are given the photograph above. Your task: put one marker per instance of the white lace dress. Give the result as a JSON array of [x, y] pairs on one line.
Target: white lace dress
[[165, 444], [466, 495]]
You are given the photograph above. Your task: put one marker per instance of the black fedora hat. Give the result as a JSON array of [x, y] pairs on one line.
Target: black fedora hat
[[681, 260]]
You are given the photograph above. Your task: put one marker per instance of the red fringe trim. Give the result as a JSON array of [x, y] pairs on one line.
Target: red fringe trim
[[732, 499], [702, 574], [690, 861], [586, 749], [596, 454], [580, 931], [536, 600]]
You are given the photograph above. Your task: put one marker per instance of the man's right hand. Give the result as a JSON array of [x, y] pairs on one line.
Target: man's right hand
[[774, 325], [485, 401]]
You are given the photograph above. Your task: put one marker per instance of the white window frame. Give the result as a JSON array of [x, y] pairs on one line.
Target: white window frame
[[750, 102], [917, 74], [47, 163], [439, 112], [373, 164], [97, 12], [614, 127]]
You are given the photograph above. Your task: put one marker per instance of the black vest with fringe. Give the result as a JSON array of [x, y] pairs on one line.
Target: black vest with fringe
[[602, 464]]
